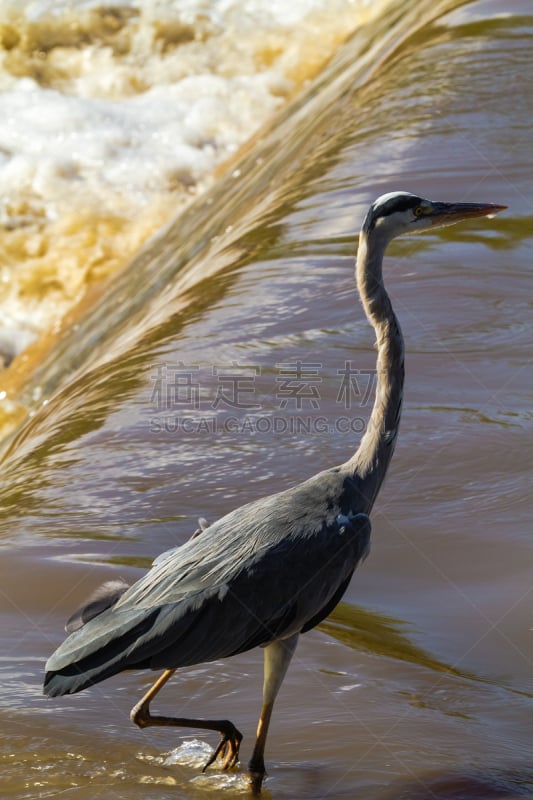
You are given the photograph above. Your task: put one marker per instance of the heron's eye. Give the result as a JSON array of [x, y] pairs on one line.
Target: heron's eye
[[418, 211]]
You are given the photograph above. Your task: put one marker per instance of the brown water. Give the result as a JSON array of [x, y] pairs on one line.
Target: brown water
[[420, 684]]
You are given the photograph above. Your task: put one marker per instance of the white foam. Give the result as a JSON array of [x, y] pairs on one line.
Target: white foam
[[112, 116], [220, 782], [193, 753]]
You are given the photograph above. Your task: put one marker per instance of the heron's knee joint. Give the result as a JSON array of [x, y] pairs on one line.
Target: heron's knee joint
[[140, 715]]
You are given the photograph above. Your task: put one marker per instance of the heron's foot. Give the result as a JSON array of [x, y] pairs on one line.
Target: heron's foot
[[228, 747], [256, 778], [256, 772]]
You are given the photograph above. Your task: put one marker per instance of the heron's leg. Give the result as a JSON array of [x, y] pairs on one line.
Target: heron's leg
[[231, 738], [277, 659]]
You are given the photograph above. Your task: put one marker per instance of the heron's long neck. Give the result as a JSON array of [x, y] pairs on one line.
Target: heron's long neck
[[369, 464]]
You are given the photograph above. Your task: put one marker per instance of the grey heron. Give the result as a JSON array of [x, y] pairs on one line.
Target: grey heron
[[274, 568]]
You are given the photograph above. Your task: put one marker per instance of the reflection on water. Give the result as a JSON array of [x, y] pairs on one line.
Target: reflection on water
[[365, 630], [428, 695]]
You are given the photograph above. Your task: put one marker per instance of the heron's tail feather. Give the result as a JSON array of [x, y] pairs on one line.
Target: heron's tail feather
[[104, 597], [85, 658]]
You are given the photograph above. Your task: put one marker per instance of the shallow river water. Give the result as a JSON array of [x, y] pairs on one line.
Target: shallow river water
[[232, 360]]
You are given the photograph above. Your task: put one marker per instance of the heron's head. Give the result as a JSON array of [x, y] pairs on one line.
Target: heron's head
[[402, 212]]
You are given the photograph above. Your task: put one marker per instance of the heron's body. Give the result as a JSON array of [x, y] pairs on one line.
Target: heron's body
[[274, 568], [300, 550]]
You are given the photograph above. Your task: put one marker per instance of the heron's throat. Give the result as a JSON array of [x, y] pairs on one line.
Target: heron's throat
[[372, 458]]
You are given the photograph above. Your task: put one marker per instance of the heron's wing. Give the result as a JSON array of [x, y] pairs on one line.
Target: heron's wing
[[281, 589]]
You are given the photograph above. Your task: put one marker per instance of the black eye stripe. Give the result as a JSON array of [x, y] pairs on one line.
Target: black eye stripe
[[396, 204], [401, 202]]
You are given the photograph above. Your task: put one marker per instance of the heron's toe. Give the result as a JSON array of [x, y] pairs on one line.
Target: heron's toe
[[228, 747]]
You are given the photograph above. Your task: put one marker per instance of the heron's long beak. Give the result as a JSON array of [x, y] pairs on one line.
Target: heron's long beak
[[447, 213]]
